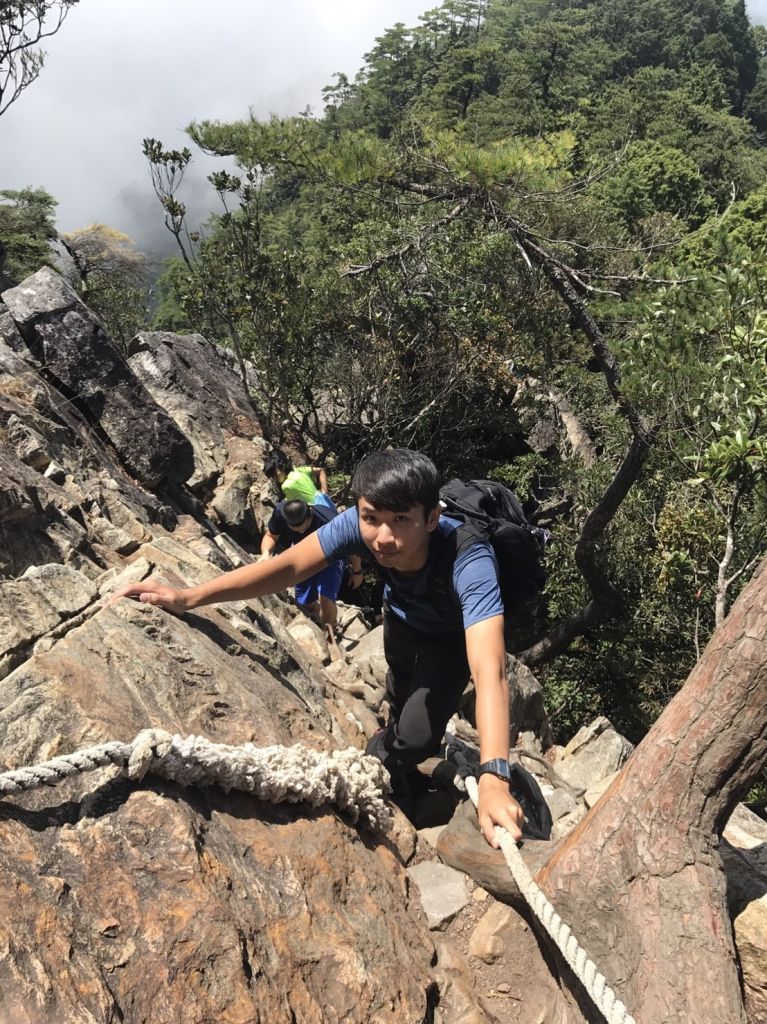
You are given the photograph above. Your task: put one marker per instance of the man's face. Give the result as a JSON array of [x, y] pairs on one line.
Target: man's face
[[398, 540]]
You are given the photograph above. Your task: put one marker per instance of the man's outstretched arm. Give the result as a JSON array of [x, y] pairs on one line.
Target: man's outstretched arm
[[486, 652], [268, 577]]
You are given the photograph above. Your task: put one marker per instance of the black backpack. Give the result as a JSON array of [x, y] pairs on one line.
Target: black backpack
[[491, 512]]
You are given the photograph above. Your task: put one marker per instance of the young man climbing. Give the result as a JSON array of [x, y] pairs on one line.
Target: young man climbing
[[432, 645], [291, 521]]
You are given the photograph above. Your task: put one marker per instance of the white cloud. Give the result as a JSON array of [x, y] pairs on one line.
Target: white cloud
[[121, 70]]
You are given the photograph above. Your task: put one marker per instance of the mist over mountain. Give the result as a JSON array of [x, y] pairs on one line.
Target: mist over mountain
[[121, 70]]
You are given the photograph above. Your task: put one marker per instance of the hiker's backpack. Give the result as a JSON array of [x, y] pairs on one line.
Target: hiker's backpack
[[491, 512]]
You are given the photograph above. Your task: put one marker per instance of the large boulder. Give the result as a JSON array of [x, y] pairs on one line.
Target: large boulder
[[594, 753], [526, 708], [149, 901], [64, 495], [191, 381], [744, 855], [69, 346]]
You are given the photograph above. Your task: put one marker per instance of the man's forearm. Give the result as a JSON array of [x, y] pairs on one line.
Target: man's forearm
[[298, 563], [268, 544], [244, 583], [492, 709], [487, 660]]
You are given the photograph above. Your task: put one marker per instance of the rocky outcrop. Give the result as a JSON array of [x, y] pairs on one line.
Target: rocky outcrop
[[193, 383], [69, 347], [166, 904], [64, 494]]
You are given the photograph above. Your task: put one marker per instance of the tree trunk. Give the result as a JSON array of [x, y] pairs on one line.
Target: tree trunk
[[640, 880]]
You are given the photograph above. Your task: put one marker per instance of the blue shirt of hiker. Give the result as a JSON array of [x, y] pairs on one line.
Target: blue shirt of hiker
[[473, 585]]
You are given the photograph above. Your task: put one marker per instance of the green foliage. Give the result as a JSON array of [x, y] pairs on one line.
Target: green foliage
[[702, 355], [26, 231], [658, 179], [699, 359], [755, 106], [521, 475], [741, 231], [171, 287], [124, 308]]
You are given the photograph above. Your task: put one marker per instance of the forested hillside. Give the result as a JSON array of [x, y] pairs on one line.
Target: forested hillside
[[529, 239]]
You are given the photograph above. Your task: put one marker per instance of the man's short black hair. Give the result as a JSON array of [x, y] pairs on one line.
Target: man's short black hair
[[396, 480], [275, 460], [295, 512]]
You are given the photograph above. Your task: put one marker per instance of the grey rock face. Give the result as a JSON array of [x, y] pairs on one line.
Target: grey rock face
[[45, 293], [69, 344], [58, 478], [595, 752], [444, 891], [194, 384], [37, 602], [190, 381], [35, 526], [9, 332], [526, 706]]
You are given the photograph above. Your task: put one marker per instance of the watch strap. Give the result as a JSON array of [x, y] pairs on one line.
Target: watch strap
[[498, 766]]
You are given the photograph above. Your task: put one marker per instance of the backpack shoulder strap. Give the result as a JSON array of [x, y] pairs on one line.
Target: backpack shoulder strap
[[450, 547]]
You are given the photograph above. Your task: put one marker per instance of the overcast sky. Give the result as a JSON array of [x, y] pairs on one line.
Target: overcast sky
[[121, 70]]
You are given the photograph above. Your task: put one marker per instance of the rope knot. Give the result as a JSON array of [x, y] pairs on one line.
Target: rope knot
[[150, 747]]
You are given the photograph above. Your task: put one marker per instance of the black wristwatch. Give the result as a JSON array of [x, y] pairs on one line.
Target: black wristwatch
[[498, 766]]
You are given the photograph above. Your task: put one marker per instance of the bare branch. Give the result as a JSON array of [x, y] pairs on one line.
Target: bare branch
[[606, 599]]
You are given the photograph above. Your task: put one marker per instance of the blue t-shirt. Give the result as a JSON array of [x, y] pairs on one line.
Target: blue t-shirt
[[474, 584]]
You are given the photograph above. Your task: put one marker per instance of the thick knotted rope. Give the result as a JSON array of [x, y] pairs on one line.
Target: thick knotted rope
[[584, 968], [354, 782]]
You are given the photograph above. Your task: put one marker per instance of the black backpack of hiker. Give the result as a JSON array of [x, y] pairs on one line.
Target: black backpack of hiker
[[491, 512]]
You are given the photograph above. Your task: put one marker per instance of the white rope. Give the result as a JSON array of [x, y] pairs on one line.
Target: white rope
[[584, 968], [353, 781]]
